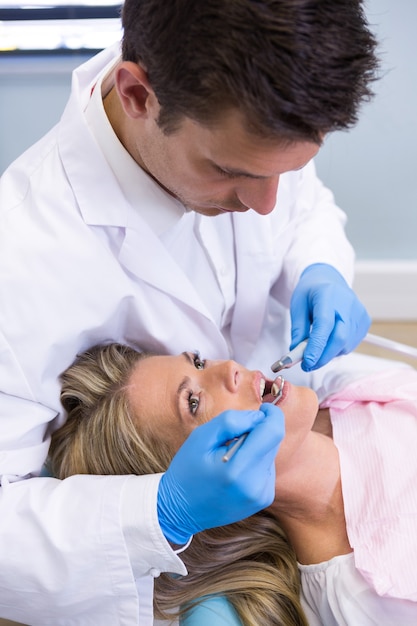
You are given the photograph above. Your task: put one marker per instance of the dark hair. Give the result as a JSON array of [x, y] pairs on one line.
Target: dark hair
[[296, 69]]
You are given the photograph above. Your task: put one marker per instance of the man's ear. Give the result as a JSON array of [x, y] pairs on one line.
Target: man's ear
[[136, 95]]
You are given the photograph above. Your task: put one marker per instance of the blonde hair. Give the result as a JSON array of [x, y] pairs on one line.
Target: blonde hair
[[250, 562]]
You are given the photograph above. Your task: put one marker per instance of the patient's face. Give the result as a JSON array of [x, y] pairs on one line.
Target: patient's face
[[178, 393]]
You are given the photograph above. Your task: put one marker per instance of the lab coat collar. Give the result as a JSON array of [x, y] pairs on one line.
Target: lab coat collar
[[138, 187], [96, 189], [102, 202], [114, 181]]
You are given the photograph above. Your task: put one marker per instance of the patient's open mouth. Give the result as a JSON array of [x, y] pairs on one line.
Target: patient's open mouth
[[272, 390]]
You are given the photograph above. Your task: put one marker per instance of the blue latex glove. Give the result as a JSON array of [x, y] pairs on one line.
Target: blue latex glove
[[199, 490], [327, 311]]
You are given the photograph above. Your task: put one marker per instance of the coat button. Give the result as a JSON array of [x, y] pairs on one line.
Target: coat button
[[154, 572]]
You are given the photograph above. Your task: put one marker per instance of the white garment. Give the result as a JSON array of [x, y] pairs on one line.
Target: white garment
[[79, 265], [335, 594], [180, 233], [374, 424]]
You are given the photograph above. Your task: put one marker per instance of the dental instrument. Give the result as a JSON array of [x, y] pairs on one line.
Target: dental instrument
[[239, 441], [295, 356], [292, 358], [234, 448]]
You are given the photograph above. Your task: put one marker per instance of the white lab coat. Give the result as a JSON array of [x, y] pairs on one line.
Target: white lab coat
[[78, 266]]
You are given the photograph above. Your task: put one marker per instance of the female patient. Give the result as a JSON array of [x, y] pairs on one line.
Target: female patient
[[344, 520]]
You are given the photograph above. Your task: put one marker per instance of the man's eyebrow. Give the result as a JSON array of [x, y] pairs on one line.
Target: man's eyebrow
[[234, 172]]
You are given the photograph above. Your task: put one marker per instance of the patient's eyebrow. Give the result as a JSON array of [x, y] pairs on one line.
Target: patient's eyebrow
[[188, 357]]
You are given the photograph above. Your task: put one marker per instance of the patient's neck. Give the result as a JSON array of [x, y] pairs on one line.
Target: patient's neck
[[308, 497], [323, 423]]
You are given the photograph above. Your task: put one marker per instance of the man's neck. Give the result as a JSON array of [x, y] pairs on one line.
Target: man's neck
[[120, 124]]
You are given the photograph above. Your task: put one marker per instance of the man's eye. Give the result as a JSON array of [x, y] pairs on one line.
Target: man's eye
[[198, 362], [225, 173], [193, 403]]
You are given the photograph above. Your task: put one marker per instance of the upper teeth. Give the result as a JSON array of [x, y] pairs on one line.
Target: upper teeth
[[262, 387], [274, 389]]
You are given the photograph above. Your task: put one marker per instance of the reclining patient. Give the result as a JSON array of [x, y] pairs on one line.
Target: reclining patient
[[339, 543]]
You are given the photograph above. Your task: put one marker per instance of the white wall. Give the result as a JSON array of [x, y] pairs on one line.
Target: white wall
[[373, 168], [33, 93]]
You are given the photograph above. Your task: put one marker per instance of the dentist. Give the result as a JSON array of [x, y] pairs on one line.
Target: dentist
[[175, 205]]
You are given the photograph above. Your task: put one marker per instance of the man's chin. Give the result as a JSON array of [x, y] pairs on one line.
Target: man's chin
[[215, 209], [209, 211]]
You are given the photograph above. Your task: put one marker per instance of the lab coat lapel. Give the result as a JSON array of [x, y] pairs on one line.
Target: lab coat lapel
[[160, 269], [102, 203], [254, 254]]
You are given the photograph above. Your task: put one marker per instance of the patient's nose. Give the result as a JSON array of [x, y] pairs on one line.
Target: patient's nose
[[228, 374]]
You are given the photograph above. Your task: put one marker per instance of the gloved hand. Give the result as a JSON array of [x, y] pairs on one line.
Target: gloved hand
[[326, 310], [199, 490]]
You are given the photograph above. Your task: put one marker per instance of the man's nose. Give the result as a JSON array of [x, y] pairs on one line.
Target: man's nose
[[259, 195]]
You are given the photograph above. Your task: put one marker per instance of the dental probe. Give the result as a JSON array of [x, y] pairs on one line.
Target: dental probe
[[235, 447], [292, 358]]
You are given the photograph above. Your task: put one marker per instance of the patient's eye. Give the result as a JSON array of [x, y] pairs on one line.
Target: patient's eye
[[193, 402], [199, 363]]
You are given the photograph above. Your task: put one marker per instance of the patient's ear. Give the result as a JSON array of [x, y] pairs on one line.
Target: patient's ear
[[135, 92]]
